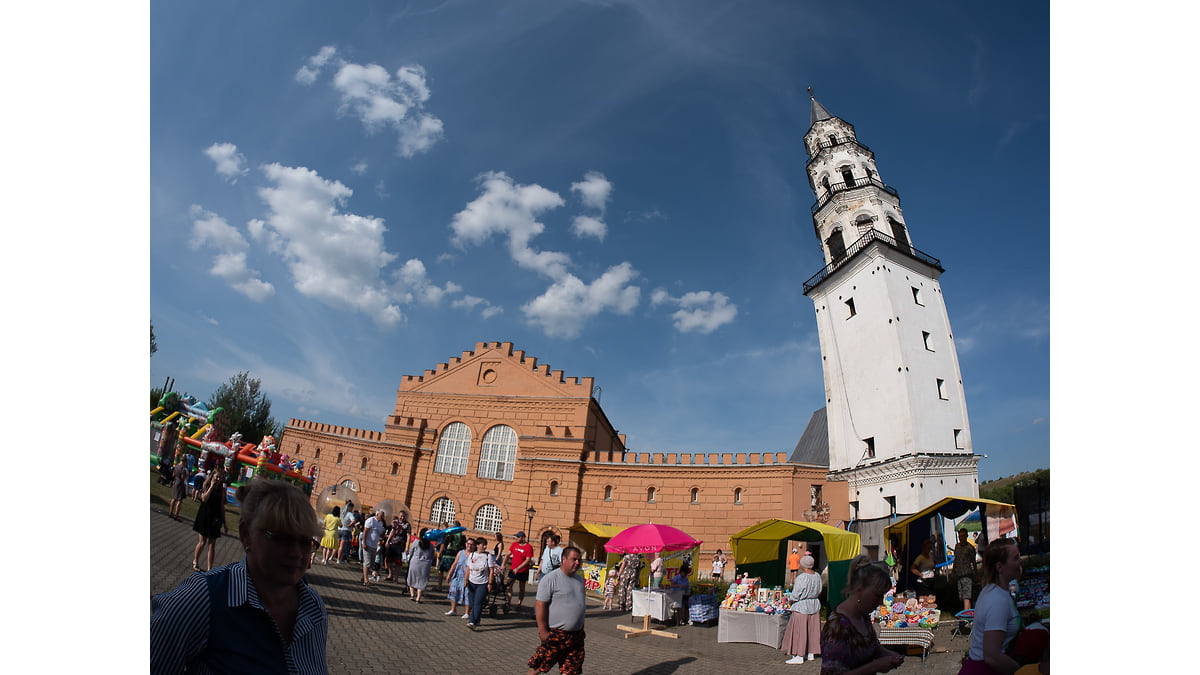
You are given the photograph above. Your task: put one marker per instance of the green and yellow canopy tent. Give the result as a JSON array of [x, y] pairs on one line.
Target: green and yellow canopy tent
[[760, 550], [906, 536]]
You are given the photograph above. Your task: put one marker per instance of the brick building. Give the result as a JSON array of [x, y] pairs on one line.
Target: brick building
[[491, 433]]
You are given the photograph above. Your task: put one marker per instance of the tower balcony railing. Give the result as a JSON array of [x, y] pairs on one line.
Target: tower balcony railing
[[852, 184], [863, 241], [841, 140]]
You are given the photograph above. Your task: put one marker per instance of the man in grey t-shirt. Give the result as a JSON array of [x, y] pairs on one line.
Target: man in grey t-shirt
[[561, 604]]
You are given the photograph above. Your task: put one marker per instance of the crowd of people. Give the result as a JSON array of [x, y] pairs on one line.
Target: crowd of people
[[260, 615], [202, 623]]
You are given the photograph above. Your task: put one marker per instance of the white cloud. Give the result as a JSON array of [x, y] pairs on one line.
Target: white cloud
[[359, 168], [229, 263], [587, 226], [379, 101], [508, 209], [230, 163], [594, 190], [308, 73], [467, 302], [333, 256], [489, 312], [566, 306], [699, 311], [658, 297], [412, 285]]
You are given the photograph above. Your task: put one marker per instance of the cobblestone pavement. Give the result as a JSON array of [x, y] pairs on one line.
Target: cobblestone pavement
[[378, 629]]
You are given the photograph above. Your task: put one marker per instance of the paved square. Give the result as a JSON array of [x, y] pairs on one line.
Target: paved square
[[377, 629]]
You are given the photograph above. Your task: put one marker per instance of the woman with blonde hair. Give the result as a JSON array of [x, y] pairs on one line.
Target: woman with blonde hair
[[257, 614], [848, 642], [996, 619]]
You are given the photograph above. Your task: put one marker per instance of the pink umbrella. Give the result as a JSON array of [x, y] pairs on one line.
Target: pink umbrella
[[650, 538]]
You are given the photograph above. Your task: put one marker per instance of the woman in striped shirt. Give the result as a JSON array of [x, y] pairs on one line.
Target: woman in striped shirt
[[257, 615]]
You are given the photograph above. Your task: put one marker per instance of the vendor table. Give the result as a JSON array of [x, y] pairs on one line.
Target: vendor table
[[765, 629], [655, 603], [922, 637]]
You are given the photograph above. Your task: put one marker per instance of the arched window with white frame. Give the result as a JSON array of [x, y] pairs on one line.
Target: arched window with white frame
[[442, 511], [498, 453], [454, 446], [488, 519]]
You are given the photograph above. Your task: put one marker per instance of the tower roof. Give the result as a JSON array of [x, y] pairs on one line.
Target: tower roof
[[818, 111], [813, 446]]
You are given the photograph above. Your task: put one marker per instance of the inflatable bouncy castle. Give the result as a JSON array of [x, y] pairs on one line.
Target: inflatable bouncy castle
[[204, 434]]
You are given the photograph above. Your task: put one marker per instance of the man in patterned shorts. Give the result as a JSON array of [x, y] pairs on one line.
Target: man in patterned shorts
[[561, 601]]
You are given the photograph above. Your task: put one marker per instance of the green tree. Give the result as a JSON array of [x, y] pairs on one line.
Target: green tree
[[247, 406], [153, 344], [155, 395]]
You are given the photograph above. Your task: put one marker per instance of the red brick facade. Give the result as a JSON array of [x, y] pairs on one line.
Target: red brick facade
[[571, 465]]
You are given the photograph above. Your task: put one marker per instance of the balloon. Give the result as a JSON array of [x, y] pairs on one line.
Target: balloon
[[437, 535]]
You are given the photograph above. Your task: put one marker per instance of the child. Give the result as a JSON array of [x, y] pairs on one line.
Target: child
[[610, 587]]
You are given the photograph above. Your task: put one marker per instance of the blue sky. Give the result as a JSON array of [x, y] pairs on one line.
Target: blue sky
[[342, 194]]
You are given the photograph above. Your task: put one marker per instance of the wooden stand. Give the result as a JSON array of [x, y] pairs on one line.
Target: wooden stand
[[630, 631]]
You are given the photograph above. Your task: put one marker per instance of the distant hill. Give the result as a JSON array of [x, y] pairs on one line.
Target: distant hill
[[1001, 489]]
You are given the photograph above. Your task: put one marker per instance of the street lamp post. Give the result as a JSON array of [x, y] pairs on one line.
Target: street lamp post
[[529, 514]]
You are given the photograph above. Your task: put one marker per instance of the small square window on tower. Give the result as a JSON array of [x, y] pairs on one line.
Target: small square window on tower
[[850, 306], [958, 439], [925, 339], [870, 447], [917, 296], [941, 387]]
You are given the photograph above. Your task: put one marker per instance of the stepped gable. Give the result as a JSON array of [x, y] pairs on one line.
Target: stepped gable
[[495, 369]]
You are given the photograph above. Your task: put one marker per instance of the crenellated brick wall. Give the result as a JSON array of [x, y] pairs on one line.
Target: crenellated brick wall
[[571, 465]]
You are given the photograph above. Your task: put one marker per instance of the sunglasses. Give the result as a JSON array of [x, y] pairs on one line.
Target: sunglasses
[[307, 543]]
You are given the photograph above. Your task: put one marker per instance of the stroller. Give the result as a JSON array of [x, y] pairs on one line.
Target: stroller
[[497, 598]]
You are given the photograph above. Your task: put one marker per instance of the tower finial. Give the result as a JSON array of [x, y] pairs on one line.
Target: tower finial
[[810, 94]]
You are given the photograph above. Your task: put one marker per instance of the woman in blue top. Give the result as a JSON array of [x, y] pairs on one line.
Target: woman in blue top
[[458, 582]]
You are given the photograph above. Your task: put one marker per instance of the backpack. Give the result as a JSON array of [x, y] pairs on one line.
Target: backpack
[[555, 561]]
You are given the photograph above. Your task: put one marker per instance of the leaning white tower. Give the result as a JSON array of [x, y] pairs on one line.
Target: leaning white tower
[[897, 417]]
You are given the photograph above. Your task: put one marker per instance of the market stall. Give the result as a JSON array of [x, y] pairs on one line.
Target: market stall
[[752, 613], [648, 539], [905, 621], [997, 519], [598, 564], [759, 551]]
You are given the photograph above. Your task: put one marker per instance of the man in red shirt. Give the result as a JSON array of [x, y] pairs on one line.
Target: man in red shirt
[[521, 556]]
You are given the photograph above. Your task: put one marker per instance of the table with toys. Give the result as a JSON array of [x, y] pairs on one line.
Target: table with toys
[[907, 621], [750, 613]]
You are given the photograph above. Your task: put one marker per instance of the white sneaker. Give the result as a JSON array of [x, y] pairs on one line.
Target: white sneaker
[[796, 659], [811, 657], [449, 612], [466, 615]]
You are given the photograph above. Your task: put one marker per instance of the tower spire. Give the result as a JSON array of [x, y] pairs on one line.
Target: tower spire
[[818, 111]]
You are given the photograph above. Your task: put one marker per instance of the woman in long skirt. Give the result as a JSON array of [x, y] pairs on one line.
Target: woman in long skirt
[[803, 634], [627, 579], [420, 561]]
